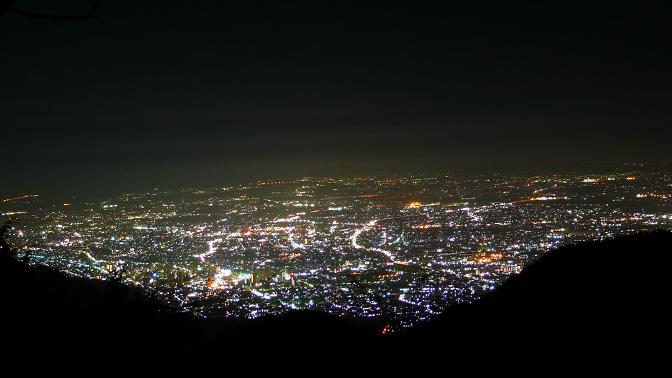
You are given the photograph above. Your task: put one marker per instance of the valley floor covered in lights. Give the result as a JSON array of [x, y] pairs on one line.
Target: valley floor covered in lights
[[396, 250]]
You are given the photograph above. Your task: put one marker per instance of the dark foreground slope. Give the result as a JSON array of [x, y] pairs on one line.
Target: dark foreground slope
[[608, 296], [577, 301], [49, 313]]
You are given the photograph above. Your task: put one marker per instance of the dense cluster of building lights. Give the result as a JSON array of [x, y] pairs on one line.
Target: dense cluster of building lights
[[396, 250]]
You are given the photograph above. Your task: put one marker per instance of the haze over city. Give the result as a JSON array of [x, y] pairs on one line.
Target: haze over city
[[149, 94]]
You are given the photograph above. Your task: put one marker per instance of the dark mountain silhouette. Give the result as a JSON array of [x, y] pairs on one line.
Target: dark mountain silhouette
[[608, 296], [593, 300]]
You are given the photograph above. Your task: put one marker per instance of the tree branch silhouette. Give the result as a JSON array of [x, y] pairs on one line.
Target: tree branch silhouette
[[7, 250], [5, 6], [115, 272]]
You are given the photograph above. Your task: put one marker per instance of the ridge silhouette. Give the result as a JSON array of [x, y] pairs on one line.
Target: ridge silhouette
[[601, 295]]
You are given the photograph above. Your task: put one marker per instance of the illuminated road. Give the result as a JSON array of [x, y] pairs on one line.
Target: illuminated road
[[212, 246], [368, 227]]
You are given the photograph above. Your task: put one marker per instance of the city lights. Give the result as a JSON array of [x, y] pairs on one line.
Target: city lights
[[399, 249]]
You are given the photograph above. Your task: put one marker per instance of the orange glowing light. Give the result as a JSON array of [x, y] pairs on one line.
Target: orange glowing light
[[425, 226], [387, 329]]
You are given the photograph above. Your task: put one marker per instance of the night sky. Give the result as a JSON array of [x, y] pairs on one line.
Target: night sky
[[202, 93]]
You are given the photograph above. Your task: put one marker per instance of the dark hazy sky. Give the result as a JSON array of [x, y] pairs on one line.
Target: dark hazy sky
[[199, 93]]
